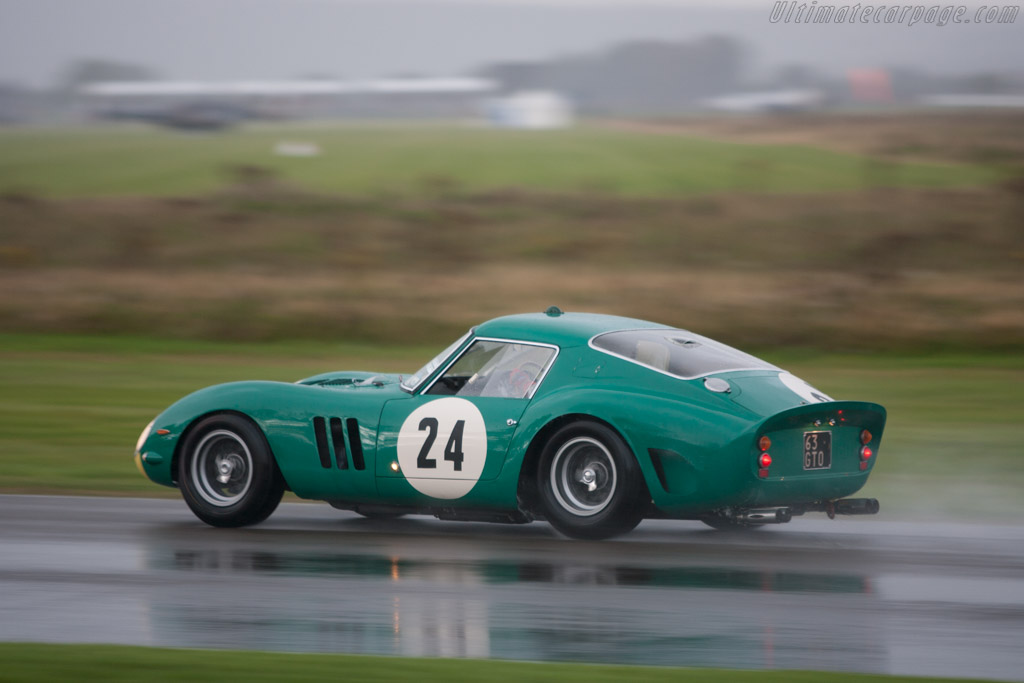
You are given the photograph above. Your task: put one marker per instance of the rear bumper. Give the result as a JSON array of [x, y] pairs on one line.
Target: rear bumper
[[795, 492]]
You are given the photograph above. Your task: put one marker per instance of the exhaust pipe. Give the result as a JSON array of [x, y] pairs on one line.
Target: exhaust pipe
[[765, 516]]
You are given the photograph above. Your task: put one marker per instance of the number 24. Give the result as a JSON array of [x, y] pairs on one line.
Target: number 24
[[452, 451]]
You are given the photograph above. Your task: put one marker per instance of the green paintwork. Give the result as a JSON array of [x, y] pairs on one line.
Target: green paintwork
[[704, 444]]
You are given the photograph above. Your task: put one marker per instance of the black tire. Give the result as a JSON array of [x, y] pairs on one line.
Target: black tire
[[590, 484], [227, 473]]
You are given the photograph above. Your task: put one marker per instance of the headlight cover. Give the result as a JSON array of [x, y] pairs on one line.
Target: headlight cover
[[144, 436]]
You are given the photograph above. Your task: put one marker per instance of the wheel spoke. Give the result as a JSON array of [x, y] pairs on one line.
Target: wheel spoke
[[222, 468], [583, 476]]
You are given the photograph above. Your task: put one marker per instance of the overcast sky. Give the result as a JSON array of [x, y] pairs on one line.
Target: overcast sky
[[235, 39]]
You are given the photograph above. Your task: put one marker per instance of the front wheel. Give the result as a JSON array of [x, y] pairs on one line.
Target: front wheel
[[227, 473], [589, 482]]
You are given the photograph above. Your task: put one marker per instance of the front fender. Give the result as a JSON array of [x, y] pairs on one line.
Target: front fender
[[159, 450], [284, 412]]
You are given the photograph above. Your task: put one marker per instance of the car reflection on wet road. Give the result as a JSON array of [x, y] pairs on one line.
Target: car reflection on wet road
[[447, 608], [866, 596]]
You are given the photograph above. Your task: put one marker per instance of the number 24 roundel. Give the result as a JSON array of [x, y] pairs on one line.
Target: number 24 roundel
[[442, 447]]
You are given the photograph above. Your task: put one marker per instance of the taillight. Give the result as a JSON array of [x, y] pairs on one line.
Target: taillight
[[764, 460], [865, 437], [865, 454]]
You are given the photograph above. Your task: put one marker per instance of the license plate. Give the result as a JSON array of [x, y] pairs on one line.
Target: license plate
[[817, 450]]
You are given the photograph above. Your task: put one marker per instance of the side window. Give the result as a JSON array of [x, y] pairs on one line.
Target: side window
[[495, 369]]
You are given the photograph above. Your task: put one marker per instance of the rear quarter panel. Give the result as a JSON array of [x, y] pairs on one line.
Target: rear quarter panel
[[700, 437], [697, 449]]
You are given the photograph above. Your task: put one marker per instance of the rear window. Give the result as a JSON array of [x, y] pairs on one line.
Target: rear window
[[677, 352]]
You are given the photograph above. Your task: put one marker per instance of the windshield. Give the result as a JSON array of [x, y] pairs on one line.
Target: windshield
[[677, 352], [415, 380]]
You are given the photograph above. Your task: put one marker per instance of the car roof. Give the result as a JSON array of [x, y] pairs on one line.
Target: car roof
[[563, 329]]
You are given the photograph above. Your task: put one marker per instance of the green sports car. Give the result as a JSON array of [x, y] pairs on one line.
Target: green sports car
[[592, 422]]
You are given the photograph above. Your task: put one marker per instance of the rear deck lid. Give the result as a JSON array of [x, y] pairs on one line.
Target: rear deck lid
[[771, 391]]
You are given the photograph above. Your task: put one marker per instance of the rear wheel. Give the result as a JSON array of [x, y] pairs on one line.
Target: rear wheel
[[227, 473], [589, 482]]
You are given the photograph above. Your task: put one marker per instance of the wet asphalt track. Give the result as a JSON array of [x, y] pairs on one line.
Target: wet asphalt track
[[859, 595]]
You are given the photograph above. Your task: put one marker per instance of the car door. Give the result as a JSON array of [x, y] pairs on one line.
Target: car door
[[436, 444]]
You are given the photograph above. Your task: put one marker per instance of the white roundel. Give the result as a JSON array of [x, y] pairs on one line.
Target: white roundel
[[442, 447], [803, 389]]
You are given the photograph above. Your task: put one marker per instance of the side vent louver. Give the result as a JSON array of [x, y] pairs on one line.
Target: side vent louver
[[337, 442], [320, 429], [355, 443], [338, 439], [657, 455]]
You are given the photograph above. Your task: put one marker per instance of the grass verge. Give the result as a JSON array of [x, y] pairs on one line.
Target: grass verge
[[41, 663]]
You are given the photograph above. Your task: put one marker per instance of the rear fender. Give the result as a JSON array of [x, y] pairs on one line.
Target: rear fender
[[700, 433]]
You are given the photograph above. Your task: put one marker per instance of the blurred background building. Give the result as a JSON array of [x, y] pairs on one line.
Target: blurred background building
[[227, 61]]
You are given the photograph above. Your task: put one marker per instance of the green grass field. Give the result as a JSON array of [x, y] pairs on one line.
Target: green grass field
[[43, 663], [71, 409], [381, 159]]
